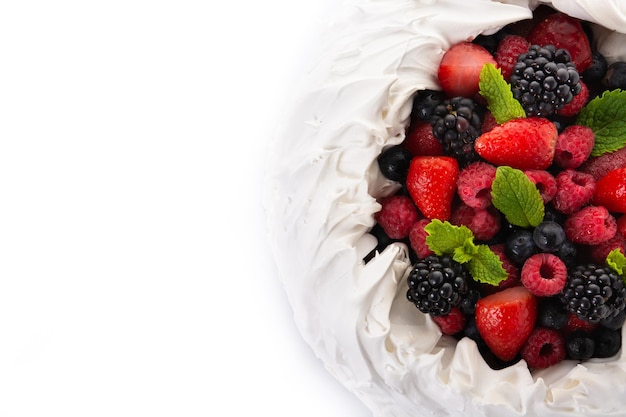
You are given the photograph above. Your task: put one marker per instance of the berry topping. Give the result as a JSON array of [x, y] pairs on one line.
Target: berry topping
[[396, 216], [509, 49], [549, 236], [484, 223], [544, 274], [452, 323], [506, 319], [574, 189], [607, 343], [544, 348], [417, 239], [456, 125], [578, 102], [611, 191], [431, 182], [520, 245], [590, 226], [551, 313], [421, 141], [573, 146], [474, 184], [599, 166], [459, 70], [394, 163], [579, 345], [615, 77], [545, 183]]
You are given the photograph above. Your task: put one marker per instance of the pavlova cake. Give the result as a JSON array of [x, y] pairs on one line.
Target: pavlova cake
[[445, 204]]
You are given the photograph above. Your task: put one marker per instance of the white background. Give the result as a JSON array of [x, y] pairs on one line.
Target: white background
[[134, 277]]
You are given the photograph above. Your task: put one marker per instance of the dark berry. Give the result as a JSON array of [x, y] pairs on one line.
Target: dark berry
[[580, 346], [456, 125], [607, 342], [549, 236], [520, 245], [615, 77], [436, 284], [394, 163], [614, 322], [425, 102], [551, 313], [596, 72], [567, 252]]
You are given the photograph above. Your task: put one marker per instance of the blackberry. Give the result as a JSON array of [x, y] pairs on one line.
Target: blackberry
[[544, 80], [456, 125], [594, 293], [436, 284]]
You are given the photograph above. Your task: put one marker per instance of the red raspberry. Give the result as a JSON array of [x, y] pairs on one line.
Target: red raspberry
[[592, 225], [544, 274], [573, 146], [484, 223], [474, 184], [544, 348], [489, 122], [574, 190], [451, 323], [576, 323], [545, 183], [621, 225], [397, 215], [599, 252], [599, 166], [513, 278], [417, 238], [509, 48], [421, 141], [576, 105]]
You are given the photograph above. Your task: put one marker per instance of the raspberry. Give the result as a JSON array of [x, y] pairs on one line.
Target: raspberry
[[452, 323], [489, 122], [599, 166], [545, 183], [576, 105], [599, 252], [509, 49], [574, 190], [484, 224], [573, 146], [576, 324], [417, 238], [396, 216], [592, 225], [621, 225], [544, 274], [421, 141], [544, 348], [474, 184]]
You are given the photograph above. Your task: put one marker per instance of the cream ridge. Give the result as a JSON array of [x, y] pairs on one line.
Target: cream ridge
[[320, 199]]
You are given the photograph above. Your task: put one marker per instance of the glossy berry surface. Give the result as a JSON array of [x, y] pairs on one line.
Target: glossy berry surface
[[549, 236], [394, 163], [520, 245]]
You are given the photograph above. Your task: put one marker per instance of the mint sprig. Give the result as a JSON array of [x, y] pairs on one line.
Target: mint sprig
[[483, 264], [517, 197], [616, 261], [500, 101], [605, 116]]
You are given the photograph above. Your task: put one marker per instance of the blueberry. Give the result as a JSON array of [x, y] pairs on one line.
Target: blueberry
[[579, 345], [394, 163], [425, 102], [567, 253], [519, 246], [551, 314], [597, 70], [549, 236], [608, 342], [616, 76]]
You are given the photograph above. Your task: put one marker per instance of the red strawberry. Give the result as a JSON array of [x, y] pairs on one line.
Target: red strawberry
[[565, 32], [525, 143], [459, 70], [611, 191], [431, 182], [506, 319]]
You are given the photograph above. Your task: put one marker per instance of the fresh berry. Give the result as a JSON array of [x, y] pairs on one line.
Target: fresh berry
[[544, 80], [417, 239], [421, 141], [574, 189], [452, 323], [520, 245], [396, 216], [611, 191], [600, 251], [431, 182], [456, 124], [509, 48], [484, 223], [596, 72], [615, 77], [394, 163], [565, 32], [568, 253], [544, 348], [424, 104], [607, 343], [526, 143], [544, 274], [578, 102], [621, 225], [459, 70], [575, 323], [474, 184], [573, 146], [436, 284], [615, 322], [594, 293], [590, 226], [489, 122], [599, 166], [545, 183], [551, 313], [513, 274], [549, 236], [506, 319], [579, 345]]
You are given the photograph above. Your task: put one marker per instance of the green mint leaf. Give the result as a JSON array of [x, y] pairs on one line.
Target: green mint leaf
[[464, 253], [616, 261], [517, 197], [444, 237], [497, 92], [606, 117], [486, 266]]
